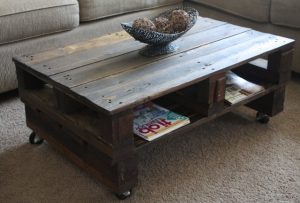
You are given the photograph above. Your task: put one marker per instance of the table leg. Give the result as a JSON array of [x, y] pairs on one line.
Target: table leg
[[278, 72]]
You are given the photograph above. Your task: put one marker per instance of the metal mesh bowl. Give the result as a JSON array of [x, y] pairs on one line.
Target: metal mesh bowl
[[159, 43]]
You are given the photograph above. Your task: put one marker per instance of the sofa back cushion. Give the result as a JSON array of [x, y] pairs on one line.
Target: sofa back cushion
[[257, 10], [97, 9], [21, 20], [10, 7], [286, 13]]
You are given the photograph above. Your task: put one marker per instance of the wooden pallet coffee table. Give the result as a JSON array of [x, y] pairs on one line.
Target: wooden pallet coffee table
[[80, 97]]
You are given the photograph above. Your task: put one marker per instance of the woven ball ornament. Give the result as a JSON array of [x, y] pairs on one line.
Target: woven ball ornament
[[144, 23], [179, 20], [163, 25]]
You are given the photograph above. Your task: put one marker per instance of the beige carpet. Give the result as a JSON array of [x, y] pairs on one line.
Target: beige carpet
[[233, 159]]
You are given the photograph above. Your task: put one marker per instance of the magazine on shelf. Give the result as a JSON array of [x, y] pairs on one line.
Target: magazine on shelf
[[238, 89], [152, 121]]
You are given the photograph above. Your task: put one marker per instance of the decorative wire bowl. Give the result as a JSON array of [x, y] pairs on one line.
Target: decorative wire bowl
[[160, 43]]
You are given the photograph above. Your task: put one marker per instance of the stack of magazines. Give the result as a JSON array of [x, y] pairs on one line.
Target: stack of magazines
[[238, 89], [152, 121]]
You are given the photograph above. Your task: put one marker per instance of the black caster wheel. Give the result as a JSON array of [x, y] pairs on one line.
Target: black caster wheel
[[262, 118], [34, 139], [123, 195]]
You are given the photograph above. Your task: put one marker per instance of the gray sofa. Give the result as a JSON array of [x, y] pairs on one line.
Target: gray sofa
[[35, 25], [280, 17]]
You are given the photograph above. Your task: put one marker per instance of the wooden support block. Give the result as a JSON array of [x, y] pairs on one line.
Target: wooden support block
[[220, 89], [27, 81], [117, 129], [279, 65], [271, 104], [65, 103], [122, 128], [85, 124], [211, 93], [275, 71], [120, 176]]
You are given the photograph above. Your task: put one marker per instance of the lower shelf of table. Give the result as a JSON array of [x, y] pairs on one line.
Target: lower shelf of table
[[197, 118], [87, 118]]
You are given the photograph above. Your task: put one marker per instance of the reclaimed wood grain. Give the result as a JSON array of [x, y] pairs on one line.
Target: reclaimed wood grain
[[100, 42], [84, 124], [104, 47], [133, 60], [121, 91], [118, 176], [166, 65]]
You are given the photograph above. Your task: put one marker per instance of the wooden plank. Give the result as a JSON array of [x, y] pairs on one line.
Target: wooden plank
[[99, 42], [89, 126], [151, 81], [27, 81], [279, 65], [34, 74], [211, 92], [93, 90], [133, 60], [278, 72], [206, 89], [67, 138], [161, 84], [274, 70], [241, 51], [271, 104], [65, 103], [90, 56], [95, 54], [85, 124], [120, 176]]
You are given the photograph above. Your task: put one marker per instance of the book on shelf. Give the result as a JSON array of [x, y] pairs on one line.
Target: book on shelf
[[152, 121], [238, 89]]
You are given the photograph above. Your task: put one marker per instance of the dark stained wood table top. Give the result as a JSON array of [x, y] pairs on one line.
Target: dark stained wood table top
[[109, 74]]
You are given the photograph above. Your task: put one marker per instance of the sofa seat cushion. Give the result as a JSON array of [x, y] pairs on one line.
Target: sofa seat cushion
[[257, 10], [26, 19], [97, 9], [286, 13]]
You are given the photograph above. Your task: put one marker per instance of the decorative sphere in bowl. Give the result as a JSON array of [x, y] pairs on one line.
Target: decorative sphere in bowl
[[168, 27], [163, 25], [180, 20], [144, 23]]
